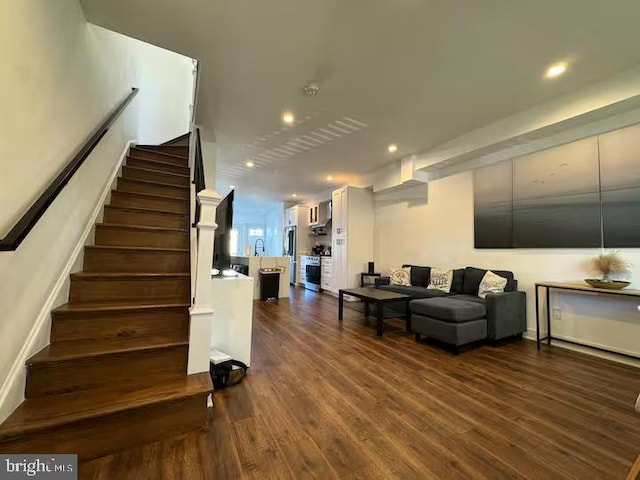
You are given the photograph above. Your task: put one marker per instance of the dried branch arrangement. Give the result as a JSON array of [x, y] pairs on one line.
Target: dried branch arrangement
[[611, 263]]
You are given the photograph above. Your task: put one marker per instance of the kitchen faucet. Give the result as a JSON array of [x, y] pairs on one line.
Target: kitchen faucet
[[255, 247]]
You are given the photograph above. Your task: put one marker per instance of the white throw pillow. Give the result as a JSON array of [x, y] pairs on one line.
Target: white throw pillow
[[491, 283], [401, 276], [441, 279]]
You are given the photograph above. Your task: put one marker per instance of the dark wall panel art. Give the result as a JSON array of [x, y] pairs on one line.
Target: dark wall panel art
[[493, 200], [579, 195], [620, 173], [556, 199]]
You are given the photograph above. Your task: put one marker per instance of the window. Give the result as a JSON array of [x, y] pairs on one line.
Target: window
[[233, 243]]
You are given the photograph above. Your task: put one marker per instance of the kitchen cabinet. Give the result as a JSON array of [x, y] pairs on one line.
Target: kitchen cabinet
[[295, 216], [326, 273], [319, 213], [302, 270], [289, 217], [340, 211], [313, 214], [352, 236]]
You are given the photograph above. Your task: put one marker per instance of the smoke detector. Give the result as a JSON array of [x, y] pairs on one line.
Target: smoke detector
[[311, 89]]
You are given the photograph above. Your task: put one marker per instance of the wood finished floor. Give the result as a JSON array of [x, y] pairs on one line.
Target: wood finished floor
[[323, 401]]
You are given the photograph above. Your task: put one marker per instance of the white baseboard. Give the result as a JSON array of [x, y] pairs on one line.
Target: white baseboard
[[12, 389], [530, 334]]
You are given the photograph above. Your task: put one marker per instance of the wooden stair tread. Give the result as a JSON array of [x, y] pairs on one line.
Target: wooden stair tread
[[150, 195], [122, 306], [151, 182], [118, 275], [43, 413], [143, 228], [117, 361], [136, 249], [148, 210], [65, 351], [159, 162], [159, 152], [156, 171]]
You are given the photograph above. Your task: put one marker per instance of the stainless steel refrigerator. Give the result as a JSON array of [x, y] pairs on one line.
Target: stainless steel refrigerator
[[290, 251]]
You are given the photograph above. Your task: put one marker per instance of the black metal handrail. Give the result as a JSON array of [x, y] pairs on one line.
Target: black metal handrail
[[21, 229], [198, 174]]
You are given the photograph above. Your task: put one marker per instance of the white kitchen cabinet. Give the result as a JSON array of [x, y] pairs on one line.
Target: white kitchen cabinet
[[352, 235], [296, 216], [290, 217], [326, 273], [312, 217], [340, 211], [302, 270]]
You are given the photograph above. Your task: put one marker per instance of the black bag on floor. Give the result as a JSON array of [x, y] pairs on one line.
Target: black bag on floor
[[227, 373]]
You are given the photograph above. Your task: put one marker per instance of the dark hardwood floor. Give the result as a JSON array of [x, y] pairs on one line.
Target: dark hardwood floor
[[324, 401]]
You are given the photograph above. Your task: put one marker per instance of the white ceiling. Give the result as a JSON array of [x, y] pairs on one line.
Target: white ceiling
[[414, 72]]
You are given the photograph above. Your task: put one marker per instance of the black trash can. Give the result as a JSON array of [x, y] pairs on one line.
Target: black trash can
[[269, 284]]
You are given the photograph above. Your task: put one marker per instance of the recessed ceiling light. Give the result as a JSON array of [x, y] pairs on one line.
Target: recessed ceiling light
[[288, 118], [294, 194], [232, 187], [556, 70], [393, 148], [249, 163], [329, 178]]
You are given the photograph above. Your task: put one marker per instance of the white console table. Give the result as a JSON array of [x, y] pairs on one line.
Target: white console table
[[233, 316], [574, 288]]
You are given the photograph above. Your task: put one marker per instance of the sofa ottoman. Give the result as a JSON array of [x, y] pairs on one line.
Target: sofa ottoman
[[449, 320]]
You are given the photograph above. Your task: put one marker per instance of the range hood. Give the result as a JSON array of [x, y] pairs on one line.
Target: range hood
[[317, 226]]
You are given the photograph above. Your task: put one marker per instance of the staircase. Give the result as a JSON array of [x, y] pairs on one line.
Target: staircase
[[114, 375]]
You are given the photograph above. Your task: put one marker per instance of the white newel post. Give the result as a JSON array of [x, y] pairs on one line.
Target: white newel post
[[201, 312]]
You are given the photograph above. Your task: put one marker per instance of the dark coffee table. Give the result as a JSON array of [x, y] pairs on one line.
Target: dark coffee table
[[377, 296]]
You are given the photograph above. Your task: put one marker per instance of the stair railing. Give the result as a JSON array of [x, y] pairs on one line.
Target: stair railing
[[29, 219], [198, 173], [203, 222]]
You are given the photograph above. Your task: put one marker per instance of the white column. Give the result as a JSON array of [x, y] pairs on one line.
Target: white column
[[201, 313]]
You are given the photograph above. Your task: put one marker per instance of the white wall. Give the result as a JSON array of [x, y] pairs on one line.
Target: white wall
[[59, 78], [269, 221], [166, 79], [433, 225], [274, 221]]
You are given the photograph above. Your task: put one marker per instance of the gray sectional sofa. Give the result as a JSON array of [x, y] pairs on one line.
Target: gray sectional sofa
[[461, 317]]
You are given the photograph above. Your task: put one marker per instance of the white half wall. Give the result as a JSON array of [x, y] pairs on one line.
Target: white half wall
[[433, 225], [59, 78]]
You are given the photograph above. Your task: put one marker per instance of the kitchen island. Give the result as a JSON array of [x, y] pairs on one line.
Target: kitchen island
[[254, 265]]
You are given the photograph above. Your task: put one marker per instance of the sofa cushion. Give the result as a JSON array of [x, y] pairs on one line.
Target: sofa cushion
[[473, 276], [450, 332], [419, 275], [491, 283], [458, 280], [470, 298], [441, 279], [448, 309], [415, 292], [401, 276]]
